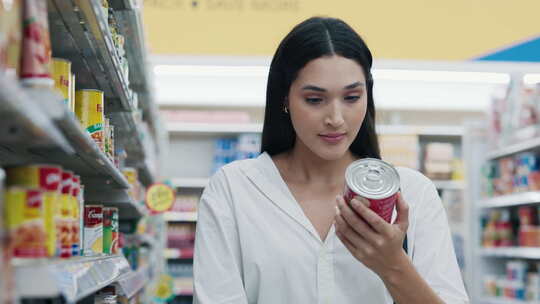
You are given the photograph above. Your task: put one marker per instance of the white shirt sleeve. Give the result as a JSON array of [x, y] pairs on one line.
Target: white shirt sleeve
[[434, 255], [217, 260]]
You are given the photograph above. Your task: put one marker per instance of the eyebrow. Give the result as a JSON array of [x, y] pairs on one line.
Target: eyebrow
[[319, 89]]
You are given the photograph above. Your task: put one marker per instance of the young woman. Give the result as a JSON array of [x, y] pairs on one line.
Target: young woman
[[275, 229]]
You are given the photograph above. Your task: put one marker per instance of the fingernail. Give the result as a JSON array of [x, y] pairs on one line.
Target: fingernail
[[355, 202], [337, 211]]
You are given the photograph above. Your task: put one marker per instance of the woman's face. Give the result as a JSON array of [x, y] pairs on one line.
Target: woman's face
[[327, 103]]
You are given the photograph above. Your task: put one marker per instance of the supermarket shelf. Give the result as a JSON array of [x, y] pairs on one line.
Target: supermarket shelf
[[133, 282], [231, 128], [190, 182], [449, 184], [511, 200], [173, 253], [129, 21], [119, 198], [512, 252], [88, 161], [488, 300], [72, 279], [80, 33], [21, 122], [523, 146], [180, 216], [145, 175], [125, 4]]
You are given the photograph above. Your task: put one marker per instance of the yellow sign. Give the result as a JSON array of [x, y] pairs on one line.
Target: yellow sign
[[414, 29], [163, 289], [159, 198]]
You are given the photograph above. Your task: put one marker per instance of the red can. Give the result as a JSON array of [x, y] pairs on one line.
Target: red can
[[375, 180]]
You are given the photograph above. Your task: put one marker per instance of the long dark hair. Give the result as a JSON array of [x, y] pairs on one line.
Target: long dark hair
[[314, 38]]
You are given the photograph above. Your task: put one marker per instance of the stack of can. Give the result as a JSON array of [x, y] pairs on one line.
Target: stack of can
[[42, 206]]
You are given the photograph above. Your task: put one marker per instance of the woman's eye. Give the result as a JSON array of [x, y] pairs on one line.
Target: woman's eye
[[313, 100], [352, 98]]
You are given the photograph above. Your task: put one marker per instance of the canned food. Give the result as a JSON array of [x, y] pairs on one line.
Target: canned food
[[375, 180], [62, 77], [48, 179], [93, 230], [36, 57], [75, 216], [110, 230], [64, 219], [26, 227], [132, 178], [89, 109]]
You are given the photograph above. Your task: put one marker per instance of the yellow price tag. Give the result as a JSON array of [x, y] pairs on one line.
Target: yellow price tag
[[160, 198]]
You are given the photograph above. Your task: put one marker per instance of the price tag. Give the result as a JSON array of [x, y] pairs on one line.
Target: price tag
[[160, 198]]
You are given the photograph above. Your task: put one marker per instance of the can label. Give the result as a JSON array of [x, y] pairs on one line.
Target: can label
[[26, 227], [36, 59], [45, 177], [376, 181], [62, 78], [110, 230], [75, 217], [93, 230], [89, 109], [65, 225], [48, 179]]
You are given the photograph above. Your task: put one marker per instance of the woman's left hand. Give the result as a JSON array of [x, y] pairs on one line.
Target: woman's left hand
[[369, 238]]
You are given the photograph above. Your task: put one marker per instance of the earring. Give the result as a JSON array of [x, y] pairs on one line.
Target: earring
[[285, 109]]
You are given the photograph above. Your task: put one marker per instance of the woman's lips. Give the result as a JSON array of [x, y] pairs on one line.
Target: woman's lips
[[332, 138]]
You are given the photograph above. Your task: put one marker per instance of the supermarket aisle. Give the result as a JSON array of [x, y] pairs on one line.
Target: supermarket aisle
[[81, 140]]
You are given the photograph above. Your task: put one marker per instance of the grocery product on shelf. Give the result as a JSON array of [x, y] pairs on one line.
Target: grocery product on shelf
[[135, 189], [230, 149], [180, 235], [89, 109], [62, 79], [110, 230], [10, 36], [76, 205], [521, 282], [185, 203], [47, 178], [400, 150], [512, 174], [514, 114], [498, 230], [64, 222], [248, 146], [37, 53], [25, 222], [438, 160], [93, 230]]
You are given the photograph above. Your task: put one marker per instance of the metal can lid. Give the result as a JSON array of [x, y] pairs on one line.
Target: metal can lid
[[372, 178]]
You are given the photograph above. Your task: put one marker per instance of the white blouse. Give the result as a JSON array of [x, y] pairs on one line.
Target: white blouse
[[254, 244]]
